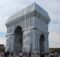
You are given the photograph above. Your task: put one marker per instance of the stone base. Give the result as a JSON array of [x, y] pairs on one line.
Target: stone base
[[39, 56], [35, 55]]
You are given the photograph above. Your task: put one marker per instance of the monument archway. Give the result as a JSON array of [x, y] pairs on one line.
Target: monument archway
[[42, 41], [33, 20], [18, 39]]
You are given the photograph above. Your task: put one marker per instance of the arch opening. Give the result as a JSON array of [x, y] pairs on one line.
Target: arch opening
[[18, 40], [42, 47]]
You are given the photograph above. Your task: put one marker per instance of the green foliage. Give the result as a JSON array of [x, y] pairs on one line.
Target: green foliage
[[2, 49], [53, 50]]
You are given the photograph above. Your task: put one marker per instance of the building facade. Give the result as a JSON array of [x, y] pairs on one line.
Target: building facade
[[27, 31]]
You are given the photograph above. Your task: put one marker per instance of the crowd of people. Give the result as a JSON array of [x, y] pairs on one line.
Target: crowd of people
[[8, 54]]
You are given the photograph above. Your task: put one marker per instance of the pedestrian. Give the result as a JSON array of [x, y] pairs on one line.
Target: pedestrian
[[30, 54], [4, 54], [52, 55]]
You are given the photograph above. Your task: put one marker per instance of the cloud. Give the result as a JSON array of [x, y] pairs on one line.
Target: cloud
[[54, 39], [3, 40], [2, 34], [2, 24], [54, 27]]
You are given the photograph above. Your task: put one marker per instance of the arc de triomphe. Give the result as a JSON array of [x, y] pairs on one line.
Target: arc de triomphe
[[27, 31]]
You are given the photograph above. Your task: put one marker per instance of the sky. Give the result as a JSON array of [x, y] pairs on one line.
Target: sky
[[10, 7]]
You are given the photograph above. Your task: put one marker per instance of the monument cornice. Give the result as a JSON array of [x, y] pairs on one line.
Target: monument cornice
[[32, 10]]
